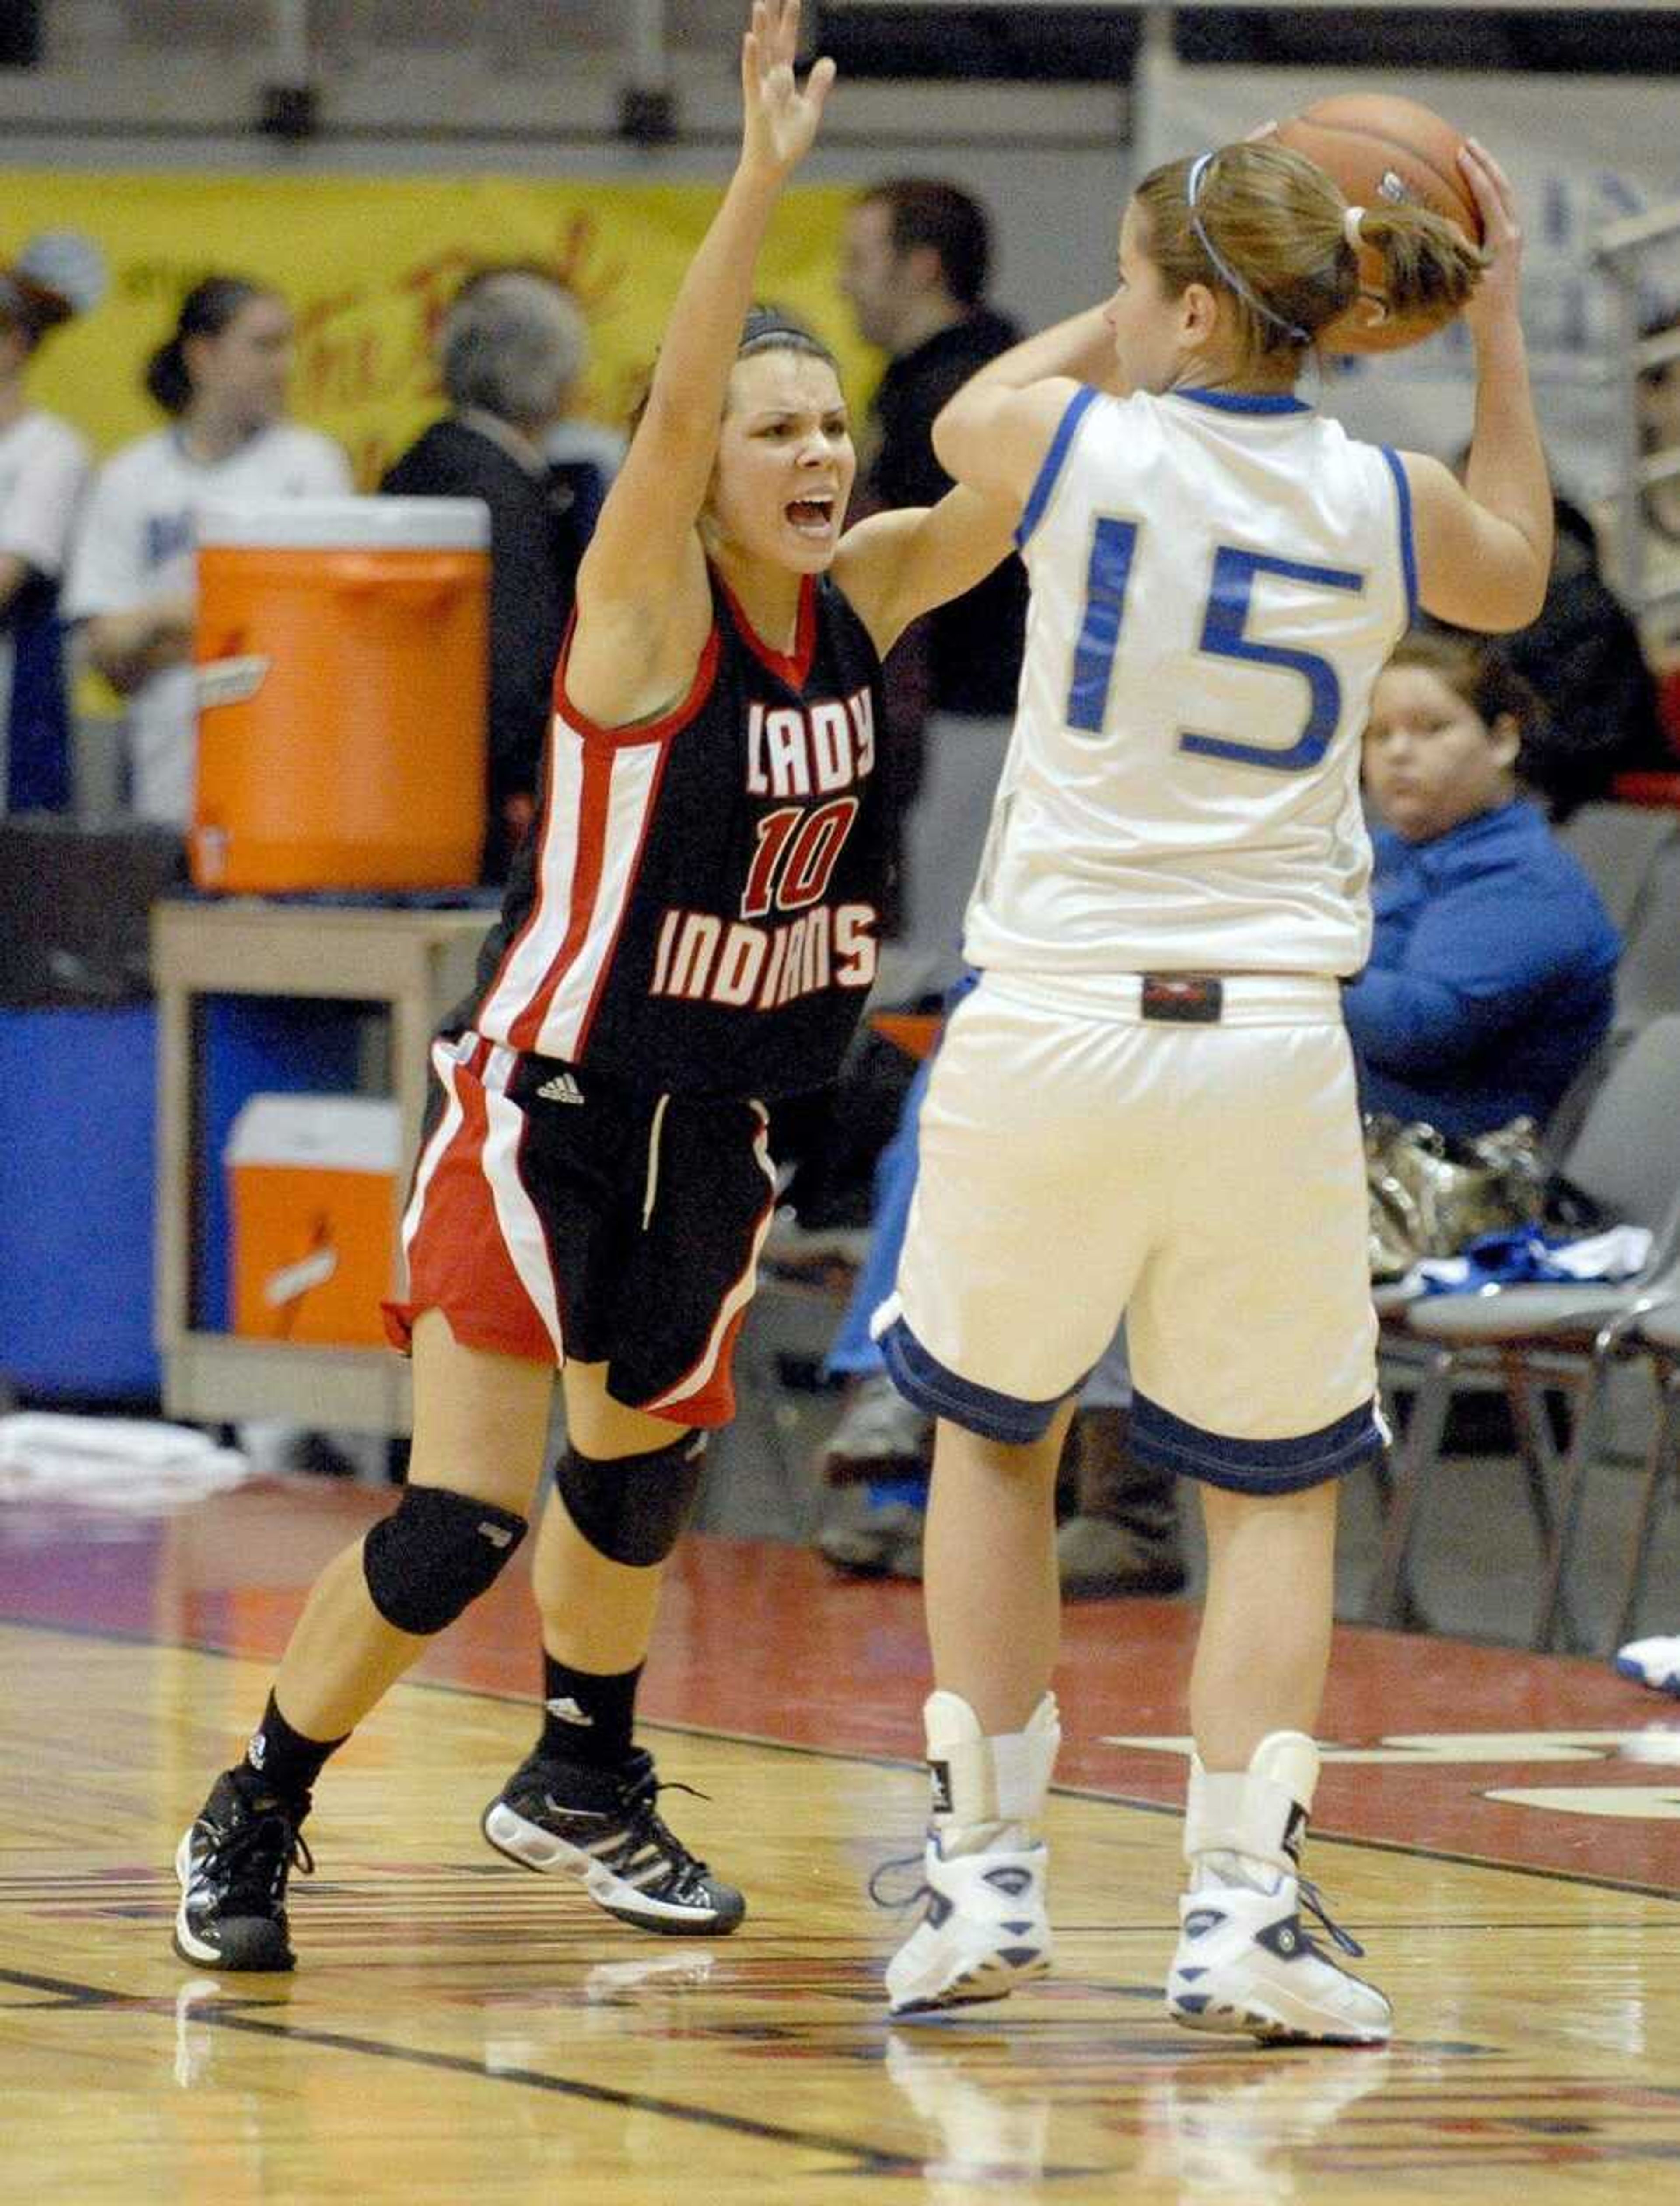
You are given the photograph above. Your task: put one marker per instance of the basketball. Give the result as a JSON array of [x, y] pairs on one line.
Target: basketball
[[1381, 149]]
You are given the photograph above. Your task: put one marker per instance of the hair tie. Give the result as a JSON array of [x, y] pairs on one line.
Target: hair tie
[[1351, 219], [1192, 184]]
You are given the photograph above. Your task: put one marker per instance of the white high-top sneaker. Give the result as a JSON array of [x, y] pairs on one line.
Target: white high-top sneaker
[[985, 1929], [1244, 1962]]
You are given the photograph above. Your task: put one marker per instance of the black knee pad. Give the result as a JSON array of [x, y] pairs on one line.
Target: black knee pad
[[632, 1509], [434, 1555]]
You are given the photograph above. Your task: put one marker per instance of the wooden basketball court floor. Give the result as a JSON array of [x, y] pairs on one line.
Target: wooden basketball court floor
[[1503, 1830]]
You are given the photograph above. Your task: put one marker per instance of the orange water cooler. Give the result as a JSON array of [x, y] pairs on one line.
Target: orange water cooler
[[342, 650], [313, 1196]]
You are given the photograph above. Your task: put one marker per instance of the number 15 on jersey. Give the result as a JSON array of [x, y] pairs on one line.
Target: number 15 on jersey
[[1224, 635]]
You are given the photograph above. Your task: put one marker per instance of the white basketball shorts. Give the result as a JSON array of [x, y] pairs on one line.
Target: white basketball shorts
[[1200, 1169]]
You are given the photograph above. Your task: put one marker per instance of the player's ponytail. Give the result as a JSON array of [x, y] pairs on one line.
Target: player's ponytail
[[1428, 266]]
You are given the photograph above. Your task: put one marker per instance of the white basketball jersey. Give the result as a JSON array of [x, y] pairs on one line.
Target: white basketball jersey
[[1217, 580]]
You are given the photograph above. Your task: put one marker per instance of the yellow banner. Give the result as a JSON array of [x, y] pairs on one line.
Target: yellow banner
[[368, 266]]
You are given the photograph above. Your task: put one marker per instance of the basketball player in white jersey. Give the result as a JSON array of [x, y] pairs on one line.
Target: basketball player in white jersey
[[1147, 1105]]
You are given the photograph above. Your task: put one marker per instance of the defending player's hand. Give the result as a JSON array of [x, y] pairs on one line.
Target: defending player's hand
[[1495, 296], [780, 119]]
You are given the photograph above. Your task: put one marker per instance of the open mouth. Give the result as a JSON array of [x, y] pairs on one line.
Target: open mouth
[[813, 516]]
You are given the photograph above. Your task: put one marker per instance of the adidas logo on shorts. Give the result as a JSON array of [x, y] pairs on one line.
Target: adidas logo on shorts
[[563, 1088]]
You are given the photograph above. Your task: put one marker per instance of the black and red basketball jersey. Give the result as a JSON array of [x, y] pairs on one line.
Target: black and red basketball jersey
[[698, 909]]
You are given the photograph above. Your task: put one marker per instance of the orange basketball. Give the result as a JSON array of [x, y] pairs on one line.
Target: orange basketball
[[1381, 149]]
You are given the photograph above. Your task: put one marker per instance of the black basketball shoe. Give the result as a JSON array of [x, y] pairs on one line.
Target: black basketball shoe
[[233, 1863], [601, 1826]]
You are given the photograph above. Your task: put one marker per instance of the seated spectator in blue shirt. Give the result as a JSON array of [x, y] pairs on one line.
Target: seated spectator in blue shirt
[[1492, 977]]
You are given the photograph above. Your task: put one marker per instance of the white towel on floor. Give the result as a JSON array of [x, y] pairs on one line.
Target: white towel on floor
[[126, 1462]]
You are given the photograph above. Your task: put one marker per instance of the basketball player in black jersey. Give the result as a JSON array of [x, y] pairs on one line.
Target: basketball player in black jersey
[[691, 935]]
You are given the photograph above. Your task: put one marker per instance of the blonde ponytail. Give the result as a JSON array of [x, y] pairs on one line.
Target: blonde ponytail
[[1427, 265]]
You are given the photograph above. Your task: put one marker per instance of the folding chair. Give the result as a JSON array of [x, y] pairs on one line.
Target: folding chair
[[1647, 980], [1658, 1332], [1532, 1338], [1618, 845]]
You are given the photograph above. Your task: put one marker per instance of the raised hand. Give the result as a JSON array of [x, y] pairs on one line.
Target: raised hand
[[1497, 294], [780, 119]]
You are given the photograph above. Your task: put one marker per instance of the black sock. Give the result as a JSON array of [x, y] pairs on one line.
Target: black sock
[[587, 1717], [281, 1761]]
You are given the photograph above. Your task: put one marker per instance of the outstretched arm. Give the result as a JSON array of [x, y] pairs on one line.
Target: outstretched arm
[[643, 607], [894, 567], [1483, 546], [992, 436]]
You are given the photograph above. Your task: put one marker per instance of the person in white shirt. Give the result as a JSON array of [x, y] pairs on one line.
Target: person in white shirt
[[1147, 1104], [222, 379], [44, 466]]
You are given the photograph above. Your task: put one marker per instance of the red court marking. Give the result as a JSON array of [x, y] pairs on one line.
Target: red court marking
[[761, 1638]]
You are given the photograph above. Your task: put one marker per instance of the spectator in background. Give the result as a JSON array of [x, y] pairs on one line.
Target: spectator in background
[[583, 457], [917, 259], [1582, 656], [44, 466], [221, 378], [1492, 974], [511, 350]]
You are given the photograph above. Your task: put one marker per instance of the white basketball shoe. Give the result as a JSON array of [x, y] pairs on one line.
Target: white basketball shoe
[[985, 1927], [1244, 1963], [1653, 1662]]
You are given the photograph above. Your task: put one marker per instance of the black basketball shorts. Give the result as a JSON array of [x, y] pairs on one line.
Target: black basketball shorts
[[557, 1214]]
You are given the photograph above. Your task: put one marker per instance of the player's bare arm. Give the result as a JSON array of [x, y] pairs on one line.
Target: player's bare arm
[[1485, 547], [642, 596], [994, 433], [895, 567]]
